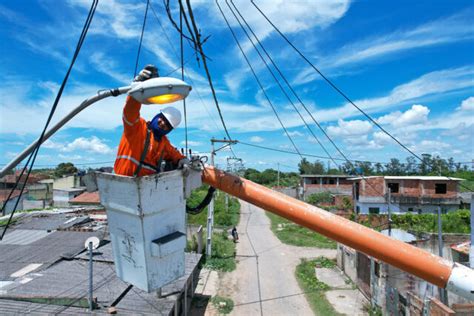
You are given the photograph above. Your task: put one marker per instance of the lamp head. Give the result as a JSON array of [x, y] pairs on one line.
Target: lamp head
[[159, 90]]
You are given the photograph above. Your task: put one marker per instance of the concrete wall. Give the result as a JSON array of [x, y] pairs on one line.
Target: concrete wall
[[66, 183], [346, 261], [61, 198], [11, 204], [31, 204], [404, 208]]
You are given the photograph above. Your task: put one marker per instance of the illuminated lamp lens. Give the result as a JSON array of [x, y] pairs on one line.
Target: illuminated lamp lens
[[165, 98]]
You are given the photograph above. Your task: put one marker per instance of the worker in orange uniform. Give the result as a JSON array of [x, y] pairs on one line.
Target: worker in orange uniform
[[144, 145]]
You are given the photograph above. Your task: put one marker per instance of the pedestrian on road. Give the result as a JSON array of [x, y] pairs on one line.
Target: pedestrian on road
[[235, 235], [144, 145]]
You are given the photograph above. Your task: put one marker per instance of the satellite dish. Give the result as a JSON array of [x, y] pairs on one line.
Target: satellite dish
[[94, 240]]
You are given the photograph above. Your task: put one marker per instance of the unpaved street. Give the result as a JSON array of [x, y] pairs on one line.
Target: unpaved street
[[264, 282]]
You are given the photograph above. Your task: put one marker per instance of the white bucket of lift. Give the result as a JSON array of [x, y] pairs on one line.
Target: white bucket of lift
[[147, 225]]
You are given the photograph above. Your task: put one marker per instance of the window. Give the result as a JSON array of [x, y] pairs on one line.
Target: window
[[374, 210], [410, 209], [394, 187], [440, 188]]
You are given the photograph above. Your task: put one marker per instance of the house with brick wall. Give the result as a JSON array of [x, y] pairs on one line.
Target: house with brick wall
[[335, 184], [420, 194]]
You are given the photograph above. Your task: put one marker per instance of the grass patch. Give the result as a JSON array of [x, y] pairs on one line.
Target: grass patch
[[223, 217], [313, 288], [293, 234], [4, 222], [223, 253], [222, 304]]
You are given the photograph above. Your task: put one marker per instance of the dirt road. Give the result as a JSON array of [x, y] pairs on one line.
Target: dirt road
[[264, 282]]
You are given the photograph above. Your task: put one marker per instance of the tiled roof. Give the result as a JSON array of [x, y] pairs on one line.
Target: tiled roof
[[4, 194], [87, 198]]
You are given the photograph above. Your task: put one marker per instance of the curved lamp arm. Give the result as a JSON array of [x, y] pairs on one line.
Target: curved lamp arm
[[99, 96]]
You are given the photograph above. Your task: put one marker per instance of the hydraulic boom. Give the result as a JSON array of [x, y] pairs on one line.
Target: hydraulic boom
[[425, 265]]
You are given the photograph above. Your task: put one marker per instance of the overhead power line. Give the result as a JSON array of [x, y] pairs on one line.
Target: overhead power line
[[332, 84], [35, 151], [256, 78], [141, 38], [273, 75], [337, 89], [195, 89], [204, 62]]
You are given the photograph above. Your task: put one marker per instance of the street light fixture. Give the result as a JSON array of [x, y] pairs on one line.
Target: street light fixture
[[160, 90]]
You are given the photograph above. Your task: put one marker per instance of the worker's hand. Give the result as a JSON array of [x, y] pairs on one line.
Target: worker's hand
[[184, 164], [150, 71]]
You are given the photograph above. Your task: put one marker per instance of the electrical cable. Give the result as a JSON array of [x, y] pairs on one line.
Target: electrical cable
[[339, 90], [205, 202], [182, 78], [289, 85], [275, 78], [199, 46], [258, 80], [188, 76], [332, 84], [141, 38], [35, 151], [200, 50]]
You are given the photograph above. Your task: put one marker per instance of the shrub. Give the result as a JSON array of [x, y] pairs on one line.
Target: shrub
[[317, 198]]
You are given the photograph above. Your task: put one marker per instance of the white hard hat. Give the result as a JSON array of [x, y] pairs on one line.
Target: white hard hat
[[173, 116]]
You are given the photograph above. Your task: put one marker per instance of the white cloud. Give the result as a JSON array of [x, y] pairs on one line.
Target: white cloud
[[430, 146], [256, 139], [92, 145], [191, 143], [455, 28], [417, 114], [467, 105], [52, 145], [294, 134], [350, 128], [381, 138], [107, 66]]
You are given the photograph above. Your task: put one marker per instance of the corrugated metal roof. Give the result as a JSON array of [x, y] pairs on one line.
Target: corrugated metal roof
[[23, 236], [69, 279]]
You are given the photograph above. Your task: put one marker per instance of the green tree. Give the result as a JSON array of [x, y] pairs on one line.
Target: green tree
[[306, 167], [252, 175], [65, 169], [365, 167], [394, 167]]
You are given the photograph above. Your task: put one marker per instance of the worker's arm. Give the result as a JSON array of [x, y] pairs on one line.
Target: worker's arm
[[131, 114], [171, 153]]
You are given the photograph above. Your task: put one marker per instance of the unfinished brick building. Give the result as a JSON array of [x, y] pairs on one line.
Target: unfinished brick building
[[421, 194]]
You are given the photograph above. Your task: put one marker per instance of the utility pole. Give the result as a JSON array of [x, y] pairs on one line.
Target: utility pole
[[278, 181], [389, 212], [443, 294], [210, 213], [471, 253]]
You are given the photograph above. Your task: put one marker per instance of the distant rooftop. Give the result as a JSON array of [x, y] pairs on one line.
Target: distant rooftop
[[422, 178], [4, 194], [87, 198], [325, 176]]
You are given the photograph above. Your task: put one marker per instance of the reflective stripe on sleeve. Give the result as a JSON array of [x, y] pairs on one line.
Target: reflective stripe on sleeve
[[128, 122], [135, 161]]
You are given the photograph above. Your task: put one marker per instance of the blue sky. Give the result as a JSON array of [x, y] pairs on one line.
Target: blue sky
[[409, 64]]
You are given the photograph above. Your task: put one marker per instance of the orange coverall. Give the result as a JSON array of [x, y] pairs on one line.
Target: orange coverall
[[133, 142]]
